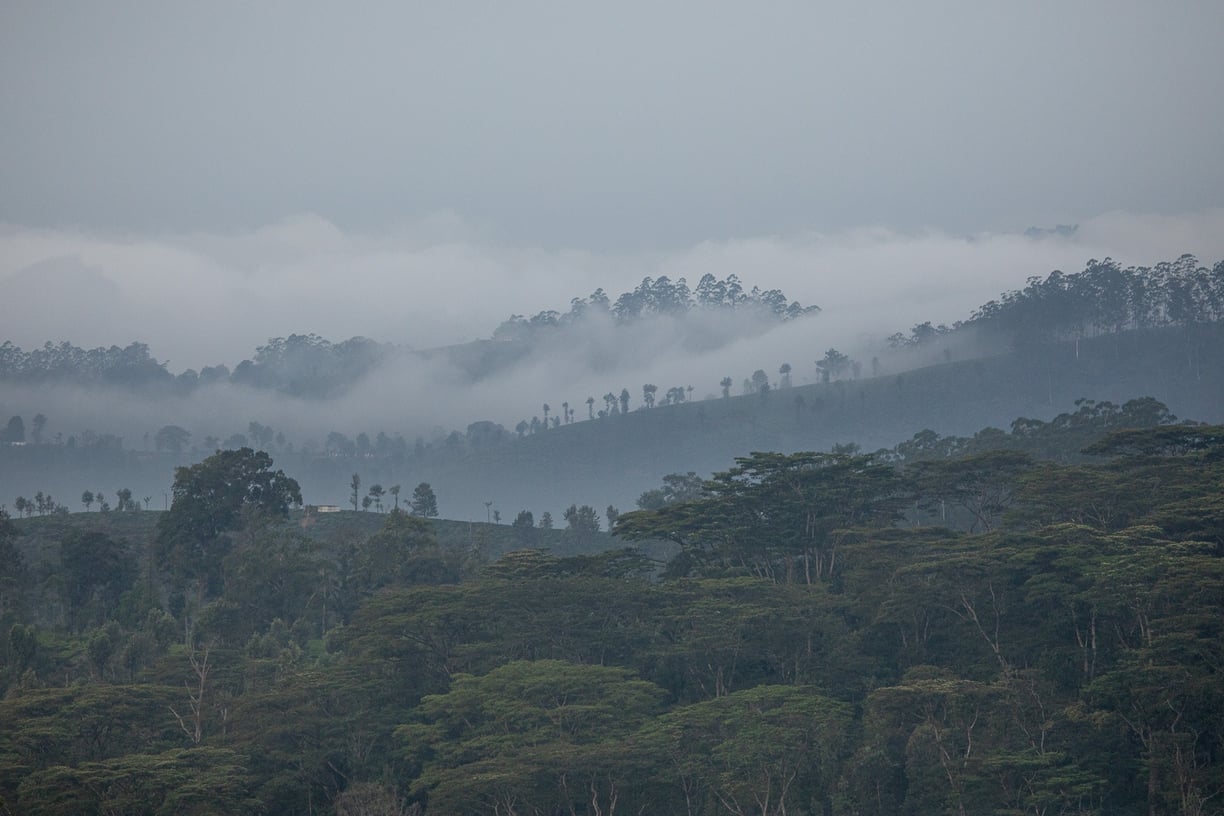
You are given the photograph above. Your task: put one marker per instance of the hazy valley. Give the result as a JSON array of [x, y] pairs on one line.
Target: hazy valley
[[537, 409]]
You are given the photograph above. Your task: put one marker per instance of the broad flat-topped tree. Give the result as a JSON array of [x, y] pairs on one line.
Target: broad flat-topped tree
[[210, 498]]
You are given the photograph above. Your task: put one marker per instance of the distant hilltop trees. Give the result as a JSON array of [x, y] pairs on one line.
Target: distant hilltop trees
[[660, 296], [1105, 298], [301, 365], [308, 365], [127, 366]]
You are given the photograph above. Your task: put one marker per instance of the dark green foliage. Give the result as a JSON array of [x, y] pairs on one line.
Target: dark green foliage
[[581, 525], [773, 515], [180, 781], [424, 502], [817, 646], [210, 499], [781, 747], [1068, 437], [95, 570], [524, 529], [981, 484], [543, 734], [1107, 298], [12, 562], [274, 574], [210, 496], [676, 488], [402, 553], [1167, 440]]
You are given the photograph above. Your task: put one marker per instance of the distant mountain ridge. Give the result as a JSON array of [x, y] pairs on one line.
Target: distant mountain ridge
[[1105, 334], [1103, 298], [614, 459], [307, 365]]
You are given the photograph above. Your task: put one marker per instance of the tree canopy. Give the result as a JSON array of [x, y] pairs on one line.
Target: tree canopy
[[211, 498], [946, 628]]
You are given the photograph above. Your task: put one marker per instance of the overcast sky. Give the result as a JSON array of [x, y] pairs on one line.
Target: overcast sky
[[608, 126], [203, 176]]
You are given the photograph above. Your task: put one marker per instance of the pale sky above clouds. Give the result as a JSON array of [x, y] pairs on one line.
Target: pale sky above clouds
[[618, 127], [205, 298], [203, 176]]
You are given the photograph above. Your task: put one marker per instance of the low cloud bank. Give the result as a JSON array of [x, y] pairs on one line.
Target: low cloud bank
[[205, 299]]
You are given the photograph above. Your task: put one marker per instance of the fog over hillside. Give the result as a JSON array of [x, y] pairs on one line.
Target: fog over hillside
[[203, 299], [466, 407], [200, 300], [203, 180]]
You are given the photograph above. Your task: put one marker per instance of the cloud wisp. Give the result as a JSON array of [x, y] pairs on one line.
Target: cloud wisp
[[203, 299]]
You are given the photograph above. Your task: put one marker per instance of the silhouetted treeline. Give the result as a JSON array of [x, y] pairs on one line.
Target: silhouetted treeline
[[1106, 298], [661, 296], [309, 366], [1061, 439], [64, 362]]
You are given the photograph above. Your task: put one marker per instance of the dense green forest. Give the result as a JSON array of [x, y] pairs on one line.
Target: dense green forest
[[1013, 622]]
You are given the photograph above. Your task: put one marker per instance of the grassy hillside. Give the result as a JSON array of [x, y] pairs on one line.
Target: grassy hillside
[[613, 460]]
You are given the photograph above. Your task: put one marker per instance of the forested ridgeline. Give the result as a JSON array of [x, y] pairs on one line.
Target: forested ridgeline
[[951, 628], [306, 365], [610, 459], [1108, 333], [1104, 298]]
